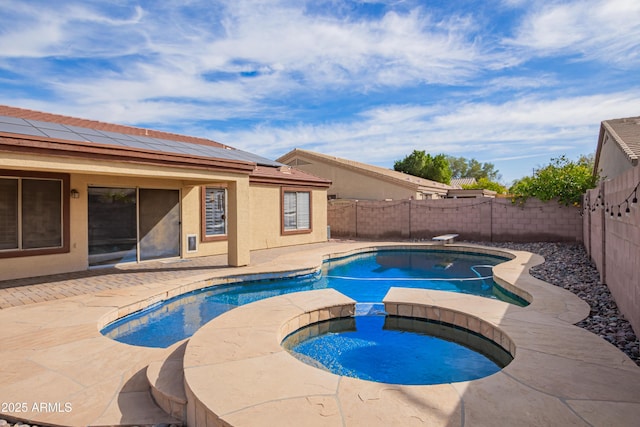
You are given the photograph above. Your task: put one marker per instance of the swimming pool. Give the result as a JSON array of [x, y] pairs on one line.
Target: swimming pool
[[365, 277]]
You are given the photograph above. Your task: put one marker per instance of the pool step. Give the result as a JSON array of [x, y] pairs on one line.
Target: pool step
[[166, 380]]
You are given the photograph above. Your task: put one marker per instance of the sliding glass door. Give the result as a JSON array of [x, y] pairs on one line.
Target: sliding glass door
[[159, 224], [129, 225], [113, 228]]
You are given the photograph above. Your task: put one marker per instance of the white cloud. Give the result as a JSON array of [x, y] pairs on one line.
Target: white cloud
[[41, 31], [289, 49], [605, 30], [525, 128], [430, 73]]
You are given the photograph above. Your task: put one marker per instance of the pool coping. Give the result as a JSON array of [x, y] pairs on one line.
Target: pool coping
[[257, 379], [53, 352]]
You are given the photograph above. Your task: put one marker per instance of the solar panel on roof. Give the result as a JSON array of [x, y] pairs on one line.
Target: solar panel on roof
[[71, 136], [117, 135], [104, 140], [76, 133], [20, 129], [14, 120], [141, 138], [47, 125], [258, 159], [85, 131], [133, 144], [169, 142]]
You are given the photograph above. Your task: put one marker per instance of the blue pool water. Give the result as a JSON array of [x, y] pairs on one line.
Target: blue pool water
[[365, 278], [396, 350]]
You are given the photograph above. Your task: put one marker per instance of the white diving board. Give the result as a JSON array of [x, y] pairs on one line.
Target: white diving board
[[445, 238]]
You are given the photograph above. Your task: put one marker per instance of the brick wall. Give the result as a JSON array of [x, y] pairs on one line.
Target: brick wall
[[473, 219], [613, 242]]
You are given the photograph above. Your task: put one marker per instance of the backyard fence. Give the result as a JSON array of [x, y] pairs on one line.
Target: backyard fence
[[483, 219], [612, 239]]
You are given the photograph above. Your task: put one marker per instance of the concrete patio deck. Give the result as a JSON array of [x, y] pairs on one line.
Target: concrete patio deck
[[57, 369]]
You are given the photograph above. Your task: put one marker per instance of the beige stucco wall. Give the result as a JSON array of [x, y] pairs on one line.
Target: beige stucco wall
[[256, 222], [612, 161], [191, 213], [266, 221], [350, 184], [86, 173]]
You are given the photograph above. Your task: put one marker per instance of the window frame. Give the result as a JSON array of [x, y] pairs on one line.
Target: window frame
[[65, 213], [296, 190], [204, 237]]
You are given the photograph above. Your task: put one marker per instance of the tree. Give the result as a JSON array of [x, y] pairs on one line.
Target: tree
[[562, 179], [486, 184], [464, 168], [418, 163]]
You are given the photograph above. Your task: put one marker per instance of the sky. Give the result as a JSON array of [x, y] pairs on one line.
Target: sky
[[511, 82]]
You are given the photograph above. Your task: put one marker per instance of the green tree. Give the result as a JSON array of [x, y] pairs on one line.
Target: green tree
[[418, 163], [486, 184], [562, 179], [462, 167]]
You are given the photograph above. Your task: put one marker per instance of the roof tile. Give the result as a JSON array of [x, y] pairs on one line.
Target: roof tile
[[626, 132]]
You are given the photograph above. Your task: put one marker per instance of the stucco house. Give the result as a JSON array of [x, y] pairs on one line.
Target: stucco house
[[361, 181], [76, 194], [618, 147]]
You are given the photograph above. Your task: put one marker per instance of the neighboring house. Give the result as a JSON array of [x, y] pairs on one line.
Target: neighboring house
[[355, 180], [618, 147], [77, 193], [459, 182], [457, 193]]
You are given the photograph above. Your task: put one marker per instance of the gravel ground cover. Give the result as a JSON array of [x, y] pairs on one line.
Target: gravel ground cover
[[568, 265]]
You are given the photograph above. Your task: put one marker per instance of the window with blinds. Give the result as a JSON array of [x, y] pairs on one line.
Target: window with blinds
[[31, 213], [215, 206], [296, 210]]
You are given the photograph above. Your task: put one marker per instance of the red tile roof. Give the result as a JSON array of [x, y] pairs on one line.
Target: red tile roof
[[286, 175]]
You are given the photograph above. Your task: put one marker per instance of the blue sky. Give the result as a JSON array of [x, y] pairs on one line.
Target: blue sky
[[512, 82]]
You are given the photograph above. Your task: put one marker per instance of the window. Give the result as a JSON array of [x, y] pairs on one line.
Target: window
[[214, 218], [296, 211], [34, 217]]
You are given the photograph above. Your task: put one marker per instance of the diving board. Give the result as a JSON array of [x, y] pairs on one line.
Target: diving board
[[445, 238]]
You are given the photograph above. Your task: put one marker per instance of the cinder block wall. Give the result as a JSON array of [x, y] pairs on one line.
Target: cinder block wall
[[613, 242], [535, 221], [481, 219]]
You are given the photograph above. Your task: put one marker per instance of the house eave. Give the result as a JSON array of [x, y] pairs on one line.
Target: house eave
[[54, 147]]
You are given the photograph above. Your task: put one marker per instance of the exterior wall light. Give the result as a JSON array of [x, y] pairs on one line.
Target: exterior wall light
[[75, 194]]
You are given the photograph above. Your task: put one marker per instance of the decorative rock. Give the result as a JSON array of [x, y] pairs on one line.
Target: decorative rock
[[567, 265]]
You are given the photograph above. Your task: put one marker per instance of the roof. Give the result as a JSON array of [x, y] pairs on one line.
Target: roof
[[625, 133], [288, 176], [459, 182], [399, 178], [28, 130]]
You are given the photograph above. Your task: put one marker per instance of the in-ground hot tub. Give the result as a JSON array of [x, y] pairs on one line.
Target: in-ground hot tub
[[397, 349], [236, 371]]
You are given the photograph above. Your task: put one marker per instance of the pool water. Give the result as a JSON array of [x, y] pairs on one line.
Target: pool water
[[396, 350], [364, 277]]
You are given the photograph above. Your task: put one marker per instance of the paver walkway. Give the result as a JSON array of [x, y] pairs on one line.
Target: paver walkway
[[48, 288]]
